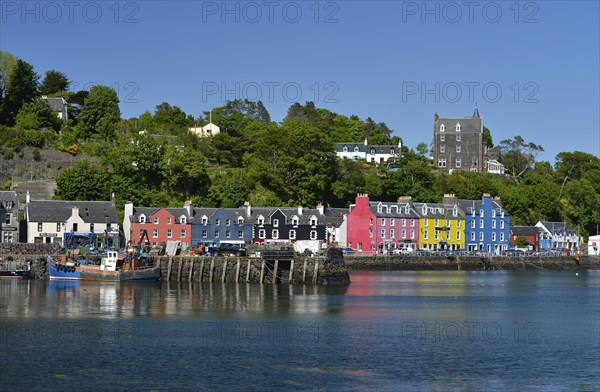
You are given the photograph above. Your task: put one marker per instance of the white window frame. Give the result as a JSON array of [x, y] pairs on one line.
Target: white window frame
[[292, 234], [155, 233]]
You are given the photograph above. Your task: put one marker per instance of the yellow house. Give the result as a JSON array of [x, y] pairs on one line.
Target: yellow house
[[442, 226]]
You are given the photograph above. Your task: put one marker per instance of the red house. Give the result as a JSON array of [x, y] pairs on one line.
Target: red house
[[161, 224], [530, 232], [379, 226]]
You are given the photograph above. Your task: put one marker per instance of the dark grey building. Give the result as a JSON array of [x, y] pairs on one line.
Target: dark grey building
[[458, 143], [9, 216]]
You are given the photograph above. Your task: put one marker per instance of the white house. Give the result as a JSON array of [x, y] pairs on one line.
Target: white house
[[209, 129], [377, 154], [594, 245], [59, 105]]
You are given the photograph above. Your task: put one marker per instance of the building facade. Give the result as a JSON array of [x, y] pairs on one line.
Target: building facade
[[442, 226], [160, 225], [558, 235], [458, 144], [9, 217], [531, 233], [487, 225], [370, 153]]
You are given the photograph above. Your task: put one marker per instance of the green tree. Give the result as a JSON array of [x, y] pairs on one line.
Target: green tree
[[84, 181], [518, 156], [228, 190], [185, 171], [38, 115], [100, 114], [22, 88], [521, 241], [422, 150], [54, 82]]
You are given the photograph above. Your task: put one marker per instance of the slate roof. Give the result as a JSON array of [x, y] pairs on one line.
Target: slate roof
[[524, 230], [383, 149], [9, 196], [468, 124], [393, 212], [149, 211], [60, 211], [437, 210], [558, 227], [468, 205], [57, 104]]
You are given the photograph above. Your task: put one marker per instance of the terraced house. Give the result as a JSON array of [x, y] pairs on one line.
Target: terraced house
[[442, 226], [9, 216], [160, 224], [374, 226], [487, 225], [215, 226]]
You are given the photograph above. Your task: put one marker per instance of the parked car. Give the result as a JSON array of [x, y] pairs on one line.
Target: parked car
[[226, 249], [348, 251], [403, 251]]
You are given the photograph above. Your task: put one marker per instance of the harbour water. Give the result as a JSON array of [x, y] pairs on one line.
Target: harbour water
[[401, 331]]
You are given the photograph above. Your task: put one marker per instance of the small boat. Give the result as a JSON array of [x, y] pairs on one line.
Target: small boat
[[112, 268], [12, 269]]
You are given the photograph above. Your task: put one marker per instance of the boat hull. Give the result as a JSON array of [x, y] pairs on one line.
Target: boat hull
[[94, 273], [15, 274]]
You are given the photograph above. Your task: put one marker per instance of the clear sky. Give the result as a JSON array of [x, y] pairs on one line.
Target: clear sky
[[532, 68]]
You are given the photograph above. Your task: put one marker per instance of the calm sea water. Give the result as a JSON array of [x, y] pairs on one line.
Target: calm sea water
[[401, 331]]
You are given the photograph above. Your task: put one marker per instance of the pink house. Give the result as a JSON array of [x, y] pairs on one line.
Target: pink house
[[379, 226], [161, 224]]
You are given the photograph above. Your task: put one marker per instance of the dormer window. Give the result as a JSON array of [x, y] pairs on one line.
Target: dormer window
[[356, 148], [392, 151], [379, 208], [407, 209], [295, 220], [313, 221], [204, 220], [372, 151], [345, 149], [455, 211], [142, 218], [424, 210], [260, 220], [442, 128], [240, 221], [183, 219], [457, 127], [275, 222]]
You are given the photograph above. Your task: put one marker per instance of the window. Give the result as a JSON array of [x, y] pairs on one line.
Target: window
[[425, 234], [501, 237], [240, 221], [360, 246], [403, 233], [169, 221], [183, 233], [39, 226], [392, 221], [437, 223], [392, 151], [493, 213], [473, 223], [481, 212], [481, 223], [356, 148], [382, 221], [481, 236], [458, 223], [494, 224], [458, 162], [295, 220], [75, 227], [217, 234], [371, 221], [426, 222], [502, 224], [169, 233], [228, 234], [442, 138], [183, 219], [493, 236], [455, 212], [457, 127], [204, 234], [371, 232], [218, 222], [345, 149], [403, 221], [142, 218], [472, 236], [240, 234], [313, 221], [372, 151], [442, 148], [275, 222], [448, 222], [442, 128], [260, 220], [292, 234], [436, 234], [382, 233], [458, 235], [313, 234], [227, 222], [458, 138], [412, 223], [458, 148], [204, 220], [155, 233], [262, 233], [392, 233], [441, 162], [275, 234], [57, 227], [156, 220], [412, 233]]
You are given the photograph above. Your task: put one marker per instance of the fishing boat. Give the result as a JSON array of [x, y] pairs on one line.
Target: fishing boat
[[12, 269], [112, 268]]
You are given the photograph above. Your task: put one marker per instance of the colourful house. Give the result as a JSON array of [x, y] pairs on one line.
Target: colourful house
[[373, 227], [442, 226], [487, 224], [160, 224]]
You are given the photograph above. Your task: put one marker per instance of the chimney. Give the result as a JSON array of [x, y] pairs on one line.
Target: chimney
[[321, 209], [299, 210], [366, 144], [27, 197], [435, 116], [128, 213], [188, 207], [362, 200], [248, 209], [449, 199], [404, 199], [113, 199]]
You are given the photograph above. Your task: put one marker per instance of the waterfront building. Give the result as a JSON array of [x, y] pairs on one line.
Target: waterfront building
[[72, 223], [214, 226], [9, 216], [558, 235], [442, 226], [374, 226], [487, 224], [531, 233], [160, 224]]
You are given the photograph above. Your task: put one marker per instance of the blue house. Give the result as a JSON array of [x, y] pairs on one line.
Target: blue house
[[214, 226], [487, 225]]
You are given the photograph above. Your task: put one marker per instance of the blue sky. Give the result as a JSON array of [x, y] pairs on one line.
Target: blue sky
[[532, 68]]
